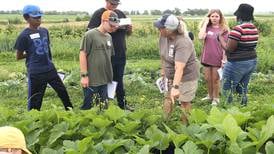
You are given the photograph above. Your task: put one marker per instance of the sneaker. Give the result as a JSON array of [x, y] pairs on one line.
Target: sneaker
[[207, 98], [215, 101]]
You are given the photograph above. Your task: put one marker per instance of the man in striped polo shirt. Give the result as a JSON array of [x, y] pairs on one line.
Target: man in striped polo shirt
[[241, 54]]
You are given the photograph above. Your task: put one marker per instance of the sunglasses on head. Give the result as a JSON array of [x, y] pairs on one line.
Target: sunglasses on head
[[114, 19], [114, 3]]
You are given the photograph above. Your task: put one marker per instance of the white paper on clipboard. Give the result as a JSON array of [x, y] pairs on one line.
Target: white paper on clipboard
[[162, 84], [125, 21], [220, 73], [112, 89]]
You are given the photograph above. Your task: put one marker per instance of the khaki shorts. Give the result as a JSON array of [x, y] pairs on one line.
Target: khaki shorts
[[187, 90]]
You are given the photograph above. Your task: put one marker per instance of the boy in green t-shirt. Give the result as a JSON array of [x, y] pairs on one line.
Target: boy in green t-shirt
[[95, 59]]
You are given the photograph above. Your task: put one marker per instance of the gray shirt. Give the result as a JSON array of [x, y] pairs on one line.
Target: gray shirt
[[180, 49]]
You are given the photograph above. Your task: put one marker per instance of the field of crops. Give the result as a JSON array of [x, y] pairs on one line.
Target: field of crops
[[227, 128]]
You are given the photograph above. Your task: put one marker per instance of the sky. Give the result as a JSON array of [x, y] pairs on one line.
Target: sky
[[226, 6]]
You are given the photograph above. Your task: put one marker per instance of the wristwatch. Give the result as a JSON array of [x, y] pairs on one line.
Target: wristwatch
[[175, 86], [84, 74]]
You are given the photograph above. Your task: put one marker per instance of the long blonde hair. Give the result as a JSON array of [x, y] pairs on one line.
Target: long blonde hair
[[182, 28], [223, 23]]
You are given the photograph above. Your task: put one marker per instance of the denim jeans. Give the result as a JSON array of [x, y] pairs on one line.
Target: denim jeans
[[89, 93], [236, 76]]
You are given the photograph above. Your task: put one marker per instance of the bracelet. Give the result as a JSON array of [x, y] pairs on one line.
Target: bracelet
[[175, 86], [85, 74]]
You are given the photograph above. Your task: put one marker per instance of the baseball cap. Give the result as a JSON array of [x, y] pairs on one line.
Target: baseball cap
[[111, 16], [245, 11], [168, 21], [32, 10], [116, 2], [11, 137]]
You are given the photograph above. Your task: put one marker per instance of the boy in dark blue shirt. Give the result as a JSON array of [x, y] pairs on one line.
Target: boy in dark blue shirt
[[33, 44]]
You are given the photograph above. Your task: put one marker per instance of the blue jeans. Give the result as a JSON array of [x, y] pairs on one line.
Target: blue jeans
[[88, 95], [236, 76]]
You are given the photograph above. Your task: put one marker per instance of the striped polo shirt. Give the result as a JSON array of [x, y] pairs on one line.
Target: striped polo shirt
[[247, 36]]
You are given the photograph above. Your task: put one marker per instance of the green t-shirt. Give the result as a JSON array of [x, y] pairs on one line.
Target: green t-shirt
[[99, 49]]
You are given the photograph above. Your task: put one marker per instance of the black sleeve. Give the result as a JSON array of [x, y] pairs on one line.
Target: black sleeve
[[95, 19], [120, 13]]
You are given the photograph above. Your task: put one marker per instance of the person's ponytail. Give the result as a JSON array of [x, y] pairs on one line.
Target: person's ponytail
[[182, 28]]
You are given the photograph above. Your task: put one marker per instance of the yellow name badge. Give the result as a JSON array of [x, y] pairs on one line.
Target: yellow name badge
[[34, 36]]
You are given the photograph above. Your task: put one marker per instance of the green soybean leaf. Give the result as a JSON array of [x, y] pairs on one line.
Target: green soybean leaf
[[70, 145], [48, 150], [240, 117], [269, 147], [152, 119], [234, 148], [57, 131], [231, 128], [197, 116], [144, 150], [101, 122], [114, 113], [159, 139], [178, 139], [128, 127], [191, 148], [267, 132]]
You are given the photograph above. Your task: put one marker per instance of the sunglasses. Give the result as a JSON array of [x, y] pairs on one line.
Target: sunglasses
[[114, 19], [114, 3]]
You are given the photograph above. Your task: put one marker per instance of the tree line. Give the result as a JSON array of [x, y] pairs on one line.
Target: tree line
[[48, 12], [176, 11]]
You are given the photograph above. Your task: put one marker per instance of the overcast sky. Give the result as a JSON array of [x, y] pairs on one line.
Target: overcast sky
[[141, 5]]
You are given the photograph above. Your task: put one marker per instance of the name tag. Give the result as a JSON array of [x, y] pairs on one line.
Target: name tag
[[210, 33], [108, 43], [34, 36], [171, 51]]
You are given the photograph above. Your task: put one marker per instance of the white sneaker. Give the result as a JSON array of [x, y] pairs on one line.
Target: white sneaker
[[215, 101], [207, 98]]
